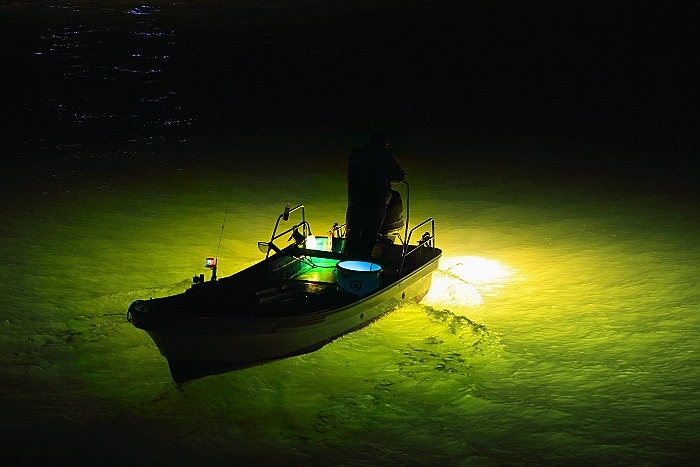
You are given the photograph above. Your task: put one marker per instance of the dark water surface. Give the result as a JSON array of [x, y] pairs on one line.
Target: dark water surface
[[555, 147]]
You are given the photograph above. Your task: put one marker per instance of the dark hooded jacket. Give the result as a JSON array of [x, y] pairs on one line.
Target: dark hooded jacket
[[371, 171]]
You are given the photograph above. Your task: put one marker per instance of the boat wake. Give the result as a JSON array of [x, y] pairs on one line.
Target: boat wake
[[448, 341], [448, 290], [463, 282]]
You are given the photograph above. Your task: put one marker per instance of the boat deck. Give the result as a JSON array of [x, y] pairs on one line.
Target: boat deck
[[296, 282]]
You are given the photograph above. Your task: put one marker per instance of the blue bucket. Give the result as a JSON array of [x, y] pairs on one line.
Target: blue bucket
[[358, 277]]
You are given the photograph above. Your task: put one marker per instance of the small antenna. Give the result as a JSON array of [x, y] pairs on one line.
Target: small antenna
[[228, 203]]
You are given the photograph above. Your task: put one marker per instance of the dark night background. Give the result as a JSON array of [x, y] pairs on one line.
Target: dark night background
[[576, 88]]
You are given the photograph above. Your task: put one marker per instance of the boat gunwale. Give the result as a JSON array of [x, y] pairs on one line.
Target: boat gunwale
[[223, 324]]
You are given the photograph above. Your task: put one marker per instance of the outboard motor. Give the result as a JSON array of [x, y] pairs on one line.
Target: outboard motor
[[393, 219]]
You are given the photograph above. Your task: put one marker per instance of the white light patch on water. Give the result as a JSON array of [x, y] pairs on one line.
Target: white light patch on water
[[449, 291], [461, 281], [477, 270]]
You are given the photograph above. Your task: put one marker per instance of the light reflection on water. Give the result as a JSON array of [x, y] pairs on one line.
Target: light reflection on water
[[572, 332], [127, 100]]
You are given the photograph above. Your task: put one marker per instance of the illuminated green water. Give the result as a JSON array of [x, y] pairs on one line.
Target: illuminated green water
[[583, 350], [562, 328]]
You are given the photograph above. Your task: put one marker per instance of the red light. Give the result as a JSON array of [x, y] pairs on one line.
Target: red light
[[210, 263]]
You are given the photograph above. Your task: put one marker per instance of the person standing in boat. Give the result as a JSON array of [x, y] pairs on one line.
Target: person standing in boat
[[372, 169]]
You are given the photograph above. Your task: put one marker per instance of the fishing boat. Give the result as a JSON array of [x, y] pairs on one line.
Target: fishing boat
[[305, 293]]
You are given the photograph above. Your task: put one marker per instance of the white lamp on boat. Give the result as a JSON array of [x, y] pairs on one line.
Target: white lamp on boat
[[311, 242]]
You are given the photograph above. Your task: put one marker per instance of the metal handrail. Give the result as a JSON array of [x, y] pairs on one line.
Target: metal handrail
[[429, 241], [306, 231], [285, 216], [404, 242]]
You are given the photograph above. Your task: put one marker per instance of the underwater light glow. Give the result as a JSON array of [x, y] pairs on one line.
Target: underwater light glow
[[475, 269], [461, 281], [450, 292]]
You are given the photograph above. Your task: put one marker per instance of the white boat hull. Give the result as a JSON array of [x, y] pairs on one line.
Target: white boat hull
[[260, 340]]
